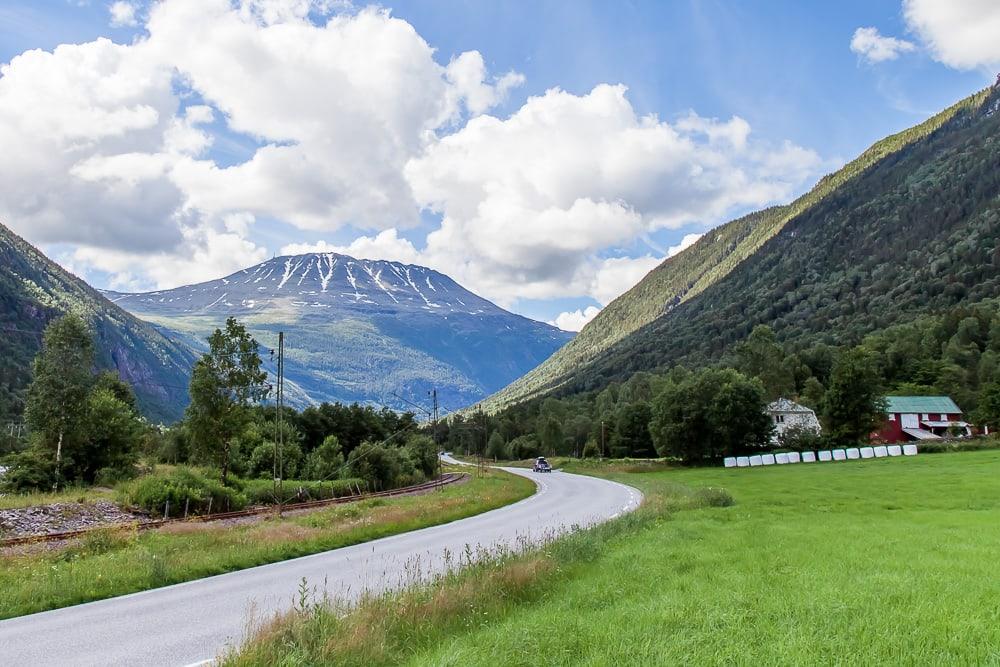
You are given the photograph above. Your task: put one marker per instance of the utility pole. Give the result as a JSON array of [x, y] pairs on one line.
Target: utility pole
[[279, 433], [434, 430], [602, 440]]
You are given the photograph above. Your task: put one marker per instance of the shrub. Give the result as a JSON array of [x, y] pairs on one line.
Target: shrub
[[261, 463], [261, 491], [383, 467], [424, 453], [947, 446], [31, 470], [183, 487], [524, 447], [324, 462], [715, 497], [798, 438], [591, 450]]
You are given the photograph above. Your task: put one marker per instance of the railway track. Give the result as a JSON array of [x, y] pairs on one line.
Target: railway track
[[443, 480]]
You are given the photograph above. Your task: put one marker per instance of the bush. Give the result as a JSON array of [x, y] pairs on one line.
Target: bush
[[424, 453], [715, 497], [261, 463], [524, 447], [261, 491], [383, 467], [28, 471], [181, 487], [591, 450], [798, 438], [947, 446], [324, 462], [114, 476]]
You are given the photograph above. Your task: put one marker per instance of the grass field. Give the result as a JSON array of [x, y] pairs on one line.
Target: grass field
[[113, 562], [868, 562]]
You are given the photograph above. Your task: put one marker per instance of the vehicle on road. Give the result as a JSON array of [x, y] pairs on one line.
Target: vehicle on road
[[541, 465]]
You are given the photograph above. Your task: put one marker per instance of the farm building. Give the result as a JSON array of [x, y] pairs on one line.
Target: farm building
[[788, 414], [911, 418]]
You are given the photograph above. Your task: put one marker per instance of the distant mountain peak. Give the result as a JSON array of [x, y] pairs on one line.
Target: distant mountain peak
[[361, 329], [319, 281]]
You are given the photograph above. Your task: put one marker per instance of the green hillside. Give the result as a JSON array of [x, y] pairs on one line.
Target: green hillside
[[604, 349], [34, 290]]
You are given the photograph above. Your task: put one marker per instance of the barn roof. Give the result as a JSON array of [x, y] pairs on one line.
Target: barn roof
[[921, 404]]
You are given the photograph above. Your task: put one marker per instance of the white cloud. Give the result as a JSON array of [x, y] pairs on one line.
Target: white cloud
[[963, 34], [875, 47], [103, 150], [686, 242], [575, 320], [108, 148], [122, 14], [204, 254], [529, 202], [385, 245], [613, 277]]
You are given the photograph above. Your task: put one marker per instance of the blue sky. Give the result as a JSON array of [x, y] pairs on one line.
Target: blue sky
[[785, 68]]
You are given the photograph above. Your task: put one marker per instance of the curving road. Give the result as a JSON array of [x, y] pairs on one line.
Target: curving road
[[191, 623]]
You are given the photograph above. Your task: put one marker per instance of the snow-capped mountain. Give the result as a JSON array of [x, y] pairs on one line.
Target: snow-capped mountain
[[308, 282], [361, 330]]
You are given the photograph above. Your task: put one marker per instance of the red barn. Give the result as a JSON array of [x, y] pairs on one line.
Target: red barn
[[911, 418]]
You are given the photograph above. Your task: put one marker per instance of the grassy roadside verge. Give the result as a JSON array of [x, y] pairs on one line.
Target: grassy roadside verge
[[118, 561], [880, 561]]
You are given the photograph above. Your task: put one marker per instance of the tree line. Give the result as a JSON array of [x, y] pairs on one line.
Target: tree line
[[84, 428], [697, 413]]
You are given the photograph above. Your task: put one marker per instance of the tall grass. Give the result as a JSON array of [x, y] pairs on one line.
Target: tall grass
[[885, 561], [70, 495], [115, 562]]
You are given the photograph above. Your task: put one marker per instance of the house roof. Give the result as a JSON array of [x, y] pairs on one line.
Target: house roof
[[785, 405], [921, 404]]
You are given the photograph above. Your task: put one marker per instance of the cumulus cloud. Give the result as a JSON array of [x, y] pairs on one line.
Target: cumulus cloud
[[122, 14], [385, 245], [874, 47], [204, 254], [528, 202], [575, 320], [963, 35], [685, 243], [104, 150], [351, 121]]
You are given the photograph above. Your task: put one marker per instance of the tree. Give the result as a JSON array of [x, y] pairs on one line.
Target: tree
[[423, 452], [496, 449], [223, 384], [551, 436], [988, 412], [326, 461], [113, 434], [853, 406], [377, 464], [710, 414], [57, 397], [632, 430], [760, 356]]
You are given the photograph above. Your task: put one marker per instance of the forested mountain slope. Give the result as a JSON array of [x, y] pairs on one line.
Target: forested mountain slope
[[916, 233], [642, 328], [34, 290]]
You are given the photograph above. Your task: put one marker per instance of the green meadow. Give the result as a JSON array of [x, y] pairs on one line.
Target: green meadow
[[864, 562]]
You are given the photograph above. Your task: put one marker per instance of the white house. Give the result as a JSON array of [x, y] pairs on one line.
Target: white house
[[787, 414]]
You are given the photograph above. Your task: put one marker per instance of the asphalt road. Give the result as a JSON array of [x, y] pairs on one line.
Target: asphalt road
[[193, 622]]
